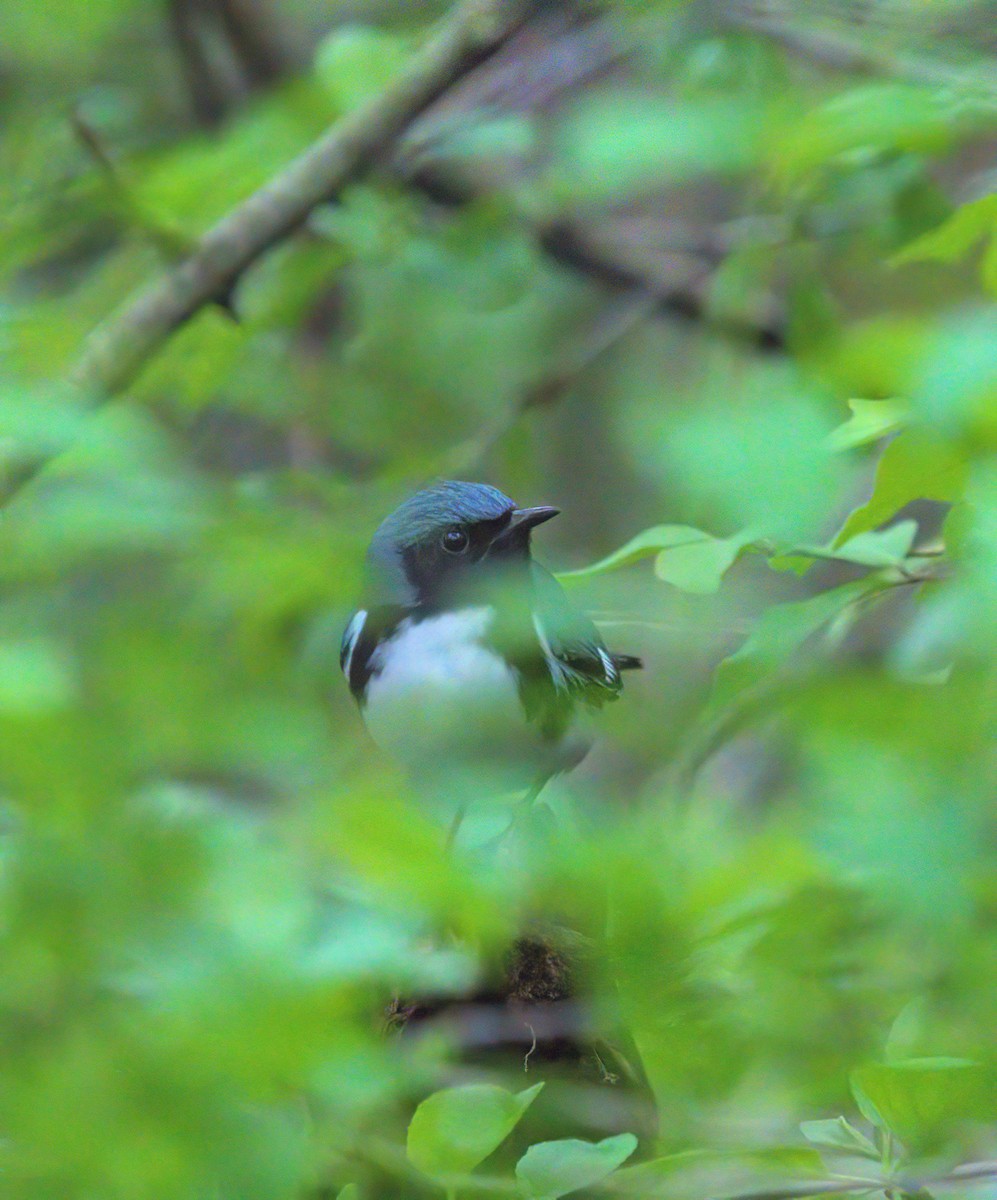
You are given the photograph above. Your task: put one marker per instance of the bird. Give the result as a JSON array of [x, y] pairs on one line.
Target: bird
[[468, 661]]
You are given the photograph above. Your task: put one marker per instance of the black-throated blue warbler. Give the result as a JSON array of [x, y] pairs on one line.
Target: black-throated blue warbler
[[467, 659]]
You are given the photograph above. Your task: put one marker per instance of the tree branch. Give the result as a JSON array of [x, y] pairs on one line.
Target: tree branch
[[714, 732], [116, 352], [833, 46]]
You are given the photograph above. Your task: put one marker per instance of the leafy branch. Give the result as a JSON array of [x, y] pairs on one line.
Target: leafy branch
[[766, 669], [838, 47], [116, 352], [736, 700], [454, 1130]]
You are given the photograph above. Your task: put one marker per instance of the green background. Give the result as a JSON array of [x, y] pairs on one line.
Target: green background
[[779, 377]]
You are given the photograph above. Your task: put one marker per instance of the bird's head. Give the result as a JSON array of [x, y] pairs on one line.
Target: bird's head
[[448, 543]]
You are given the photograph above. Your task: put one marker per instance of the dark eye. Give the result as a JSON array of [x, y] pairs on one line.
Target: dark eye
[[455, 541]]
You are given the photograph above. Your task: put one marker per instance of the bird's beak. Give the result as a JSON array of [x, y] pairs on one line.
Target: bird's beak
[[529, 518]]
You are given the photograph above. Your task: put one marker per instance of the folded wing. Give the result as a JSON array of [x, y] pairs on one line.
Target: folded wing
[[578, 666]]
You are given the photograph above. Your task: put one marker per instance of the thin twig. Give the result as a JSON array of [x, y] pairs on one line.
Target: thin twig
[[611, 326], [115, 353], [858, 53], [719, 728], [168, 240], [254, 39], [666, 266]]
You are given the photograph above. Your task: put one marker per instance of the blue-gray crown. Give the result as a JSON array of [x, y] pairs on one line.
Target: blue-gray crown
[[448, 503], [420, 519]]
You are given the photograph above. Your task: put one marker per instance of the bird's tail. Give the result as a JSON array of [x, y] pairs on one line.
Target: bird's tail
[[627, 662]]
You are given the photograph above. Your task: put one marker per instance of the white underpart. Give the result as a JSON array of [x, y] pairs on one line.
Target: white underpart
[[443, 702], [350, 639]]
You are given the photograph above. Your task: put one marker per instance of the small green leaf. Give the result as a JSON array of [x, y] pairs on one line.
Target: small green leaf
[[838, 1134], [866, 1106], [651, 541], [452, 1131], [882, 548], [914, 466], [350, 1192], [870, 421], [552, 1169], [697, 562], [906, 1031], [687, 558], [955, 237], [886, 548], [867, 119]]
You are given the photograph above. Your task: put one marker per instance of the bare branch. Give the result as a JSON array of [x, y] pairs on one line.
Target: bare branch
[[116, 352], [834, 47]]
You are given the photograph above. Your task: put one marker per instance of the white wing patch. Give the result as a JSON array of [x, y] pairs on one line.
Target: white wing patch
[[558, 671], [565, 676], [612, 675], [350, 639]]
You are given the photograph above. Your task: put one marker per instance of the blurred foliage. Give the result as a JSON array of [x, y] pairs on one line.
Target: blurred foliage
[[780, 864]]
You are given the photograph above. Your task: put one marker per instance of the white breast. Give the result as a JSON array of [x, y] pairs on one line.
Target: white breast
[[443, 702]]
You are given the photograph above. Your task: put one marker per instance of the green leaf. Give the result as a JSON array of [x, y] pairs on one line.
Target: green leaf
[[692, 1174], [838, 1134], [874, 548], [916, 465], [687, 558], [866, 1107], [870, 421], [922, 1098], [885, 548], [779, 633], [643, 545], [955, 237], [871, 118], [697, 562], [350, 1192], [552, 1169], [646, 1178], [452, 1131], [906, 1031]]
